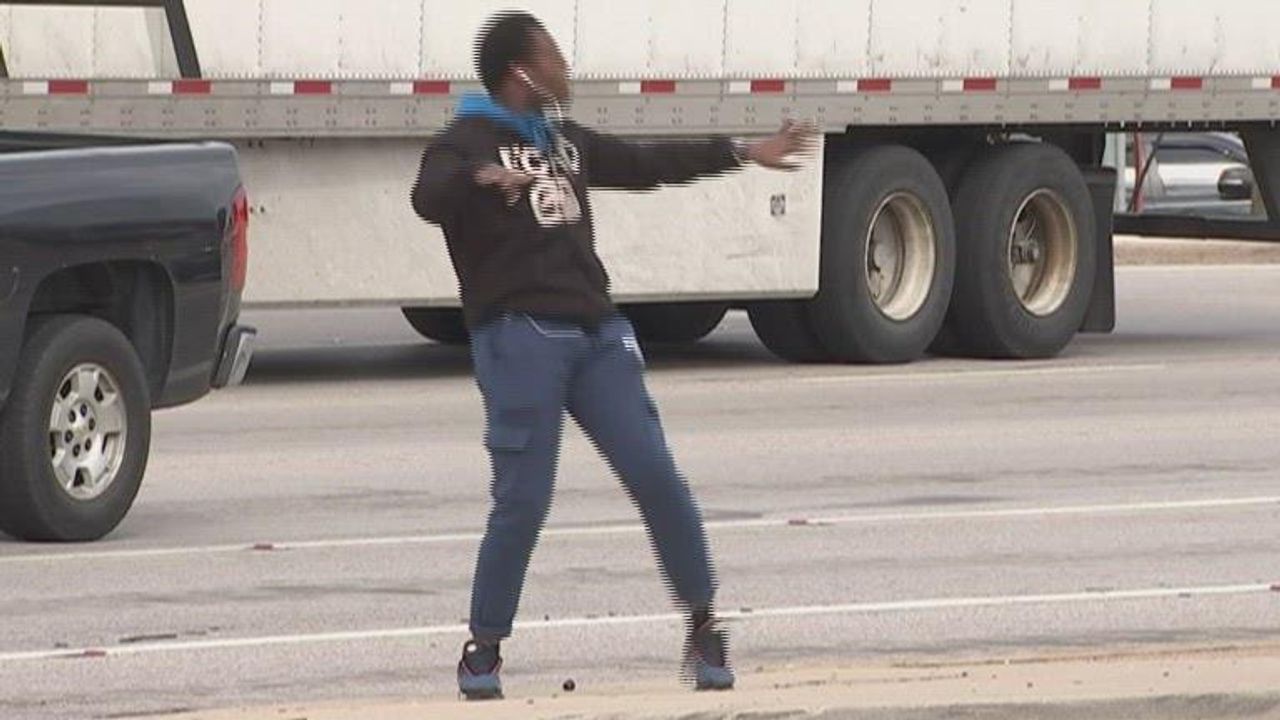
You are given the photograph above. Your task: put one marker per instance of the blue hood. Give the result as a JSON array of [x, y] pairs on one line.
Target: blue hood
[[532, 126]]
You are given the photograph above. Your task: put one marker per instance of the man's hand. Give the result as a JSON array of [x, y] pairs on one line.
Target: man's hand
[[508, 182], [775, 152]]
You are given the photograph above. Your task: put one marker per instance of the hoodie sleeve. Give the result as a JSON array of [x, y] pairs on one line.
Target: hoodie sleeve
[[445, 176], [620, 164]]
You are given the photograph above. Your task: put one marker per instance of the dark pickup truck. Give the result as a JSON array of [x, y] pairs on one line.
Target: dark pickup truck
[[121, 269]]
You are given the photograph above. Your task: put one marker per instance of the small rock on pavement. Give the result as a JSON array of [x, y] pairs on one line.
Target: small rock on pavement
[[570, 685]]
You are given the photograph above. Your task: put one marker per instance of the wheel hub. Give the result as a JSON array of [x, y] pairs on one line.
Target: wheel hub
[[1027, 252], [1042, 254], [901, 256], [87, 432]]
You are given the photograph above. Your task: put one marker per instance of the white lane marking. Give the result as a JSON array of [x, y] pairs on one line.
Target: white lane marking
[[864, 608], [603, 530], [1023, 371]]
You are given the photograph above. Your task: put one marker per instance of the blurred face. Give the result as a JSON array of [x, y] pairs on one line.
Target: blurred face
[[547, 69]]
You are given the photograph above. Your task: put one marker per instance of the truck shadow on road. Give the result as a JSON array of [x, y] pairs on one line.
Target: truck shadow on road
[[379, 362], [395, 362], [422, 361]]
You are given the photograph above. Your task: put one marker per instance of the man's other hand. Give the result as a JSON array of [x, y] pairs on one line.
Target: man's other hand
[[508, 182], [776, 152]]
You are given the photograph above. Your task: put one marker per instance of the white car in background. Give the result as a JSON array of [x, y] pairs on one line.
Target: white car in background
[[1192, 174]]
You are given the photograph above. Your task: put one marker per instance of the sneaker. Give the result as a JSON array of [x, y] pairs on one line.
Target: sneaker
[[708, 656], [478, 671]]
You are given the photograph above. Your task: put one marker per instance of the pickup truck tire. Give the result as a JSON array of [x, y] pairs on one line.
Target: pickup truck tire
[[442, 325], [1026, 228], [888, 257], [675, 323], [783, 326], [65, 479]]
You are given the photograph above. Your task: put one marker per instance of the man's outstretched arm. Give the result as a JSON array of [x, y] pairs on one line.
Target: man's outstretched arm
[[615, 163], [445, 176]]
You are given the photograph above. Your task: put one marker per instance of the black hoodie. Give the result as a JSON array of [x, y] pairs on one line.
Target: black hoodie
[[538, 256]]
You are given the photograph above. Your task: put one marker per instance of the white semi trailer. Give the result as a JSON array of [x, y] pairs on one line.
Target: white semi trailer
[[959, 203]]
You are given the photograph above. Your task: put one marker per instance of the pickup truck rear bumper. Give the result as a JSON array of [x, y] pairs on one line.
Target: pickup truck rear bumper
[[237, 352]]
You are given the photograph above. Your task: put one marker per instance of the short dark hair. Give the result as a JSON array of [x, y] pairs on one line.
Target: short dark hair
[[507, 39]]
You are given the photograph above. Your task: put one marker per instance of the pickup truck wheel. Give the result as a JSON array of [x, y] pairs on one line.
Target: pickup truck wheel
[[888, 257], [1025, 225], [74, 434], [442, 325], [677, 323]]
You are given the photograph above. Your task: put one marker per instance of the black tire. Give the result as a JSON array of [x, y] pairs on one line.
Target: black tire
[[442, 325], [33, 504], [989, 318], [898, 186], [783, 327], [946, 344], [675, 323], [951, 163]]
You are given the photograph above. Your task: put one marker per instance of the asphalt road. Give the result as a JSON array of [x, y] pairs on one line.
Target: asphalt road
[[1124, 494]]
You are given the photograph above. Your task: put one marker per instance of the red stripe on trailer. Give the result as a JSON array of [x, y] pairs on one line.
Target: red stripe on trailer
[[1085, 83], [657, 87], [313, 87], [979, 84], [875, 85], [1187, 83], [68, 87], [192, 87], [432, 87], [1275, 83], [768, 86]]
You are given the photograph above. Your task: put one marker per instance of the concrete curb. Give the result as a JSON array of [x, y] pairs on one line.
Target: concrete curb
[[1190, 707], [1132, 250], [1200, 683]]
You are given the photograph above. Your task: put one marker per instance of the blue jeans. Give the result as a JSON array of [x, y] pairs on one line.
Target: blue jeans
[[531, 371]]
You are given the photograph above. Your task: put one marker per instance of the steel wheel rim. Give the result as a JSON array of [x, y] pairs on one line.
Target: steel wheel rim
[[901, 256], [1042, 253], [88, 431]]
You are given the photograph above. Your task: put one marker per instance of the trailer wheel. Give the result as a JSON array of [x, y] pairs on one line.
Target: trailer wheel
[[74, 434], [442, 325], [952, 161], [1025, 224], [676, 323], [784, 328], [888, 257]]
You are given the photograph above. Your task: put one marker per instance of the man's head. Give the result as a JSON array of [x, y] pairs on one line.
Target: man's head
[[520, 63]]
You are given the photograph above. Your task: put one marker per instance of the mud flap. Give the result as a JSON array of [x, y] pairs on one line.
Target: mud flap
[[1101, 316]]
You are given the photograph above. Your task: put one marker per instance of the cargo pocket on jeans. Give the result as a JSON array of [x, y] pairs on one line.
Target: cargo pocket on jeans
[[510, 430]]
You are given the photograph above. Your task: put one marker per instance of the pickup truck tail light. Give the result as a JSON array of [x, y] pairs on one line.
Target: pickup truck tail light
[[239, 239]]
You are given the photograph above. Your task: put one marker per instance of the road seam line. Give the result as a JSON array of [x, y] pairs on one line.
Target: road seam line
[[630, 529], [984, 374]]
